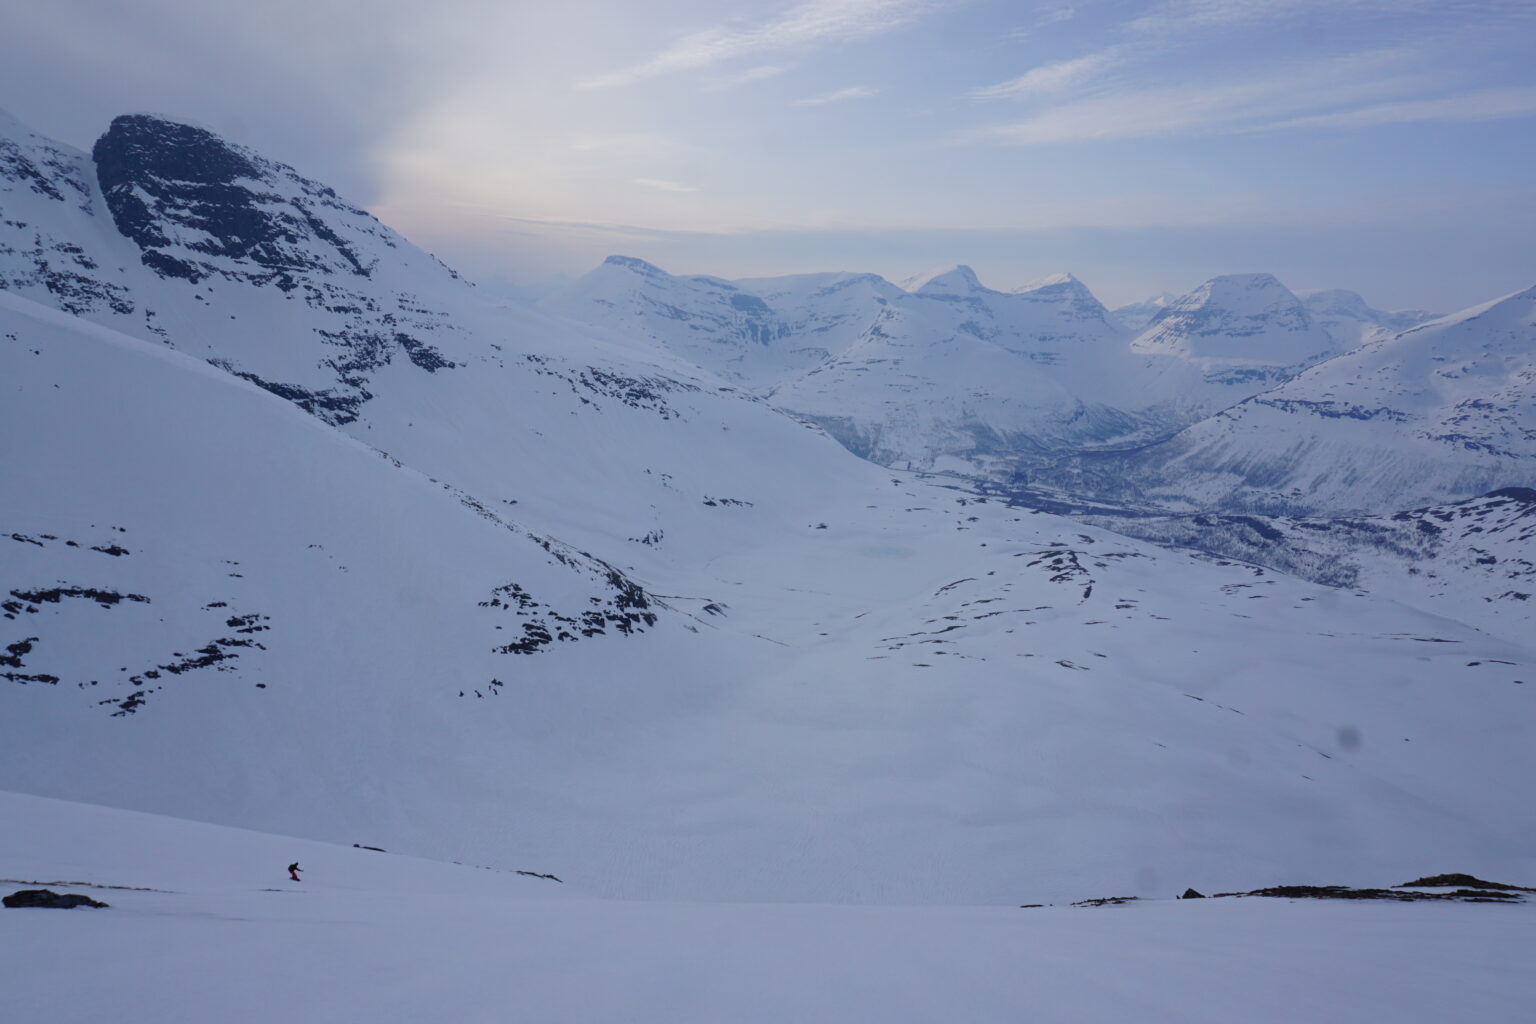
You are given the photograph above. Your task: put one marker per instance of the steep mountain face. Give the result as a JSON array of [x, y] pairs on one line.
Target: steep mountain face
[[169, 231], [575, 604], [1352, 322], [1472, 560], [207, 216], [1435, 414]]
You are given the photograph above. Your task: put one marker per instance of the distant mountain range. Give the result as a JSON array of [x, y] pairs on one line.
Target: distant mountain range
[[1044, 386]]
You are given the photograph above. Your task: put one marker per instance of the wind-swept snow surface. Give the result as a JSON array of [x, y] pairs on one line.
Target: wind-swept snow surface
[[219, 933]]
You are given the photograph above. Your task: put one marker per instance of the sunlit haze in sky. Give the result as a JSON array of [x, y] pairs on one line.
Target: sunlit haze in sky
[[1385, 146]]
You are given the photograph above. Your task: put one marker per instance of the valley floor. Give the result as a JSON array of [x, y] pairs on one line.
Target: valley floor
[[218, 933]]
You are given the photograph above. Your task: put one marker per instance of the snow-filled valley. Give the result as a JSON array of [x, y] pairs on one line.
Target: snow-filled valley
[[300, 533]]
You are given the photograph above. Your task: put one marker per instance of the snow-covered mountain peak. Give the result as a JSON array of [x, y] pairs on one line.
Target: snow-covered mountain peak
[[635, 264], [957, 280], [199, 206], [1048, 281], [1336, 300], [1239, 294], [1238, 320], [1070, 295]]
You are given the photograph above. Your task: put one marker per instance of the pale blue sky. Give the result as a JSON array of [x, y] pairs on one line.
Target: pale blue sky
[[1382, 145]]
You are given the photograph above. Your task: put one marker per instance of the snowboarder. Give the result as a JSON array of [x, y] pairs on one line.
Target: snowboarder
[[293, 871]]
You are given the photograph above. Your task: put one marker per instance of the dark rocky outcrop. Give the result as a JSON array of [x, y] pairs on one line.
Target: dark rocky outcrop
[[1460, 881], [181, 192], [49, 899], [1344, 892]]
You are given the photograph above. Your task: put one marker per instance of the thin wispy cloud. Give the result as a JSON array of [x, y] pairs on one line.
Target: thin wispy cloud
[[747, 77], [1329, 87], [805, 26], [627, 144], [1055, 15], [1181, 15], [1481, 105], [1056, 77], [853, 92], [663, 185]]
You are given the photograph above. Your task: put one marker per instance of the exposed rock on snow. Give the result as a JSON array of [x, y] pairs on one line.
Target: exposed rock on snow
[[49, 899]]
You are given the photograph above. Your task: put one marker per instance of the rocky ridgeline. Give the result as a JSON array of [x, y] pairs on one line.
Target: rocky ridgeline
[[1462, 889]]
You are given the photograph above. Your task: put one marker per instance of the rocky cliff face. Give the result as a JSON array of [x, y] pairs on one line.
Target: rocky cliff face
[[196, 206], [171, 232]]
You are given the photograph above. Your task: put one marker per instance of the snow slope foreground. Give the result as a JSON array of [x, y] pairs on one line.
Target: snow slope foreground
[[219, 933], [549, 599], [1438, 413]]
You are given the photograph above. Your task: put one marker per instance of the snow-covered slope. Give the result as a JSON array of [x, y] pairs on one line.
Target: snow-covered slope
[[385, 938], [56, 243], [1472, 560], [1438, 413], [428, 625]]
